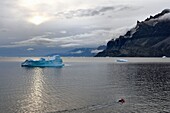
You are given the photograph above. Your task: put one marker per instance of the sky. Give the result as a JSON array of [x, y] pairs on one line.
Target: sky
[[50, 26]]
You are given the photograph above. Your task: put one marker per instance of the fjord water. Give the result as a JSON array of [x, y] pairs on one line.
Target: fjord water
[[86, 85]]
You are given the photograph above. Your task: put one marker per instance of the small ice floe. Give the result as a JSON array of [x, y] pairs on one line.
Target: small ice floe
[[163, 56], [121, 60], [54, 61]]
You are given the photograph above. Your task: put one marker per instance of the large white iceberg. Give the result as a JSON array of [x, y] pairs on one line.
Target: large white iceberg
[[54, 61]]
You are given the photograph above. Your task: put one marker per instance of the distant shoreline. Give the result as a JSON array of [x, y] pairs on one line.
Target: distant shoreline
[[96, 59]]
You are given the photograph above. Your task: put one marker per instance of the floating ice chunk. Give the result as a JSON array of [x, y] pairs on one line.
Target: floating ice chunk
[[54, 61], [122, 60], [163, 56]]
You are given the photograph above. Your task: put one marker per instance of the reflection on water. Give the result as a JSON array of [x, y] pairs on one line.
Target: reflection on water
[[86, 87], [34, 100], [36, 89]]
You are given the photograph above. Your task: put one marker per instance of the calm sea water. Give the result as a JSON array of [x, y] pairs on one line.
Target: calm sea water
[[86, 85]]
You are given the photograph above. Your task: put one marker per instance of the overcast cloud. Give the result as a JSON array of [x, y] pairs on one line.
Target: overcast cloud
[[92, 38], [72, 23], [93, 11]]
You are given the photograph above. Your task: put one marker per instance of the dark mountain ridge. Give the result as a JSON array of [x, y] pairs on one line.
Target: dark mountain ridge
[[149, 38]]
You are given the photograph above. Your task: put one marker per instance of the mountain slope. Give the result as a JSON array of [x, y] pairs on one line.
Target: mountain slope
[[150, 38], [81, 52]]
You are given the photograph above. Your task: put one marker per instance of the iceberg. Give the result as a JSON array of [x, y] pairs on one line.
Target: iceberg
[[163, 56], [54, 61], [122, 60]]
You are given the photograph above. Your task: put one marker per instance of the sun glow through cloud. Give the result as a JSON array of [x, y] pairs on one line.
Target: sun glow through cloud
[[37, 20], [34, 13]]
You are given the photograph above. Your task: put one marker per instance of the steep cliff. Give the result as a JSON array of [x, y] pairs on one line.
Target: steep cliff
[[149, 38]]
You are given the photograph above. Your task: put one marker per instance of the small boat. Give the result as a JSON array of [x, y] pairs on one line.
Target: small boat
[[121, 100], [122, 60], [54, 61]]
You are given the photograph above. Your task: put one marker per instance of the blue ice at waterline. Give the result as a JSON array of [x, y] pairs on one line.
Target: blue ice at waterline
[[54, 61]]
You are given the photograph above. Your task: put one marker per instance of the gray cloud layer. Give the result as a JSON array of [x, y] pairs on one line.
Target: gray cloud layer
[[92, 11], [98, 37]]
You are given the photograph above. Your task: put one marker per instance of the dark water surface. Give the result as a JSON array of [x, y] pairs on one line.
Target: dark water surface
[[86, 85]]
